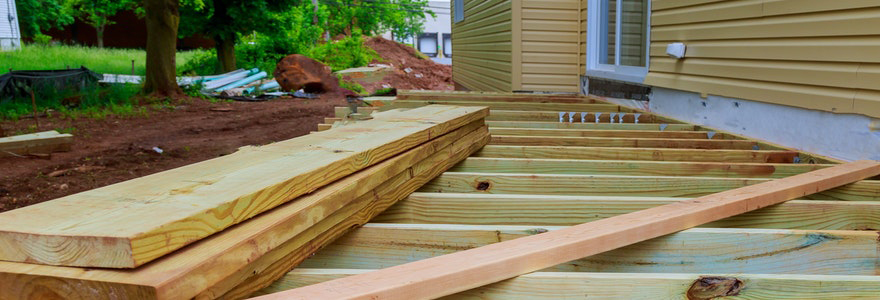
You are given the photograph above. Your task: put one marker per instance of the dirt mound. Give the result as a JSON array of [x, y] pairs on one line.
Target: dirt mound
[[412, 71]]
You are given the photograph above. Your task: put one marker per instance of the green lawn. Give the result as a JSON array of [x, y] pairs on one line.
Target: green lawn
[[107, 60]]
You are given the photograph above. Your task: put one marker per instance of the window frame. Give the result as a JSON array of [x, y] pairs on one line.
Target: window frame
[[594, 38], [428, 36], [458, 11]]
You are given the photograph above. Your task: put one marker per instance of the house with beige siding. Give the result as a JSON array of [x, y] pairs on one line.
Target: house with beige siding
[[803, 73]]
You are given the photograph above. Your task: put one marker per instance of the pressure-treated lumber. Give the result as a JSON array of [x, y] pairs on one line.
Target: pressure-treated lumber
[[589, 126], [44, 142], [699, 250], [494, 97], [559, 210], [448, 274], [171, 209], [606, 108], [266, 269], [655, 133], [614, 185], [631, 167], [572, 285], [652, 154], [622, 142], [499, 114], [245, 252]]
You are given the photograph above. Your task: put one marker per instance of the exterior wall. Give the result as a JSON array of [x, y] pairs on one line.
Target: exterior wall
[[815, 54], [482, 46], [552, 39], [10, 36]]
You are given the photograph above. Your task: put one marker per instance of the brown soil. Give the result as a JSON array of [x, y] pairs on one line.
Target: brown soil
[[434, 76], [114, 149]]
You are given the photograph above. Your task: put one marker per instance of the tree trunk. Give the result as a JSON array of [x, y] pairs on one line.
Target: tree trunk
[[225, 52], [99, 32], [162, 18]]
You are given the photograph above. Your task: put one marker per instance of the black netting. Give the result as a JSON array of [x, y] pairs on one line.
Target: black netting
[[19, 84]]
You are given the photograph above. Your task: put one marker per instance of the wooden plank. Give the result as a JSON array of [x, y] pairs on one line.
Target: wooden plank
[[498, 130], [518, 98], [698, 250], [35, 143], [556, 210], [171, 209], [340, 112], [651, 154], [588, 126], [331, 120], [568, 285], [270, 267], [460, 271], [623, 142], [613, 185], [322, 127], [524, 106], [553, 116], [226, 259], [631, 167]]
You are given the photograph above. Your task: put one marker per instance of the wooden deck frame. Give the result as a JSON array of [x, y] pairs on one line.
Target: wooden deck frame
[[649, 154], [666, 134], [623, 142], [460, 271]]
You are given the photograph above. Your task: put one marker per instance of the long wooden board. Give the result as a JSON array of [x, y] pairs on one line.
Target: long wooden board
[[558, 210], [631, 167], [574, 285], [166, 211], [655, 133], [499, 114], [698, 250], [460, 271], [591, 126], [606, 108], [652, 154], [611, 185], [211, 267], [35, 143], [623, 142]]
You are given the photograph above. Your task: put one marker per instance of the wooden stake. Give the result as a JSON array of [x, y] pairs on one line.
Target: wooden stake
[[452, 273], [34, 103]]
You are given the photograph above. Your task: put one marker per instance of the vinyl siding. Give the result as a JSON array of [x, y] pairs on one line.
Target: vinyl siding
[[815, 54], [7, 29], [552, 44], [482, 46]]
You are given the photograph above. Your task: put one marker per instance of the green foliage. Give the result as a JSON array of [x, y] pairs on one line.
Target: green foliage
[[95, 102], [97, 13], [346, 53], [57, 57], [37, 16], [351, 86], [42, 39], [401, 17]]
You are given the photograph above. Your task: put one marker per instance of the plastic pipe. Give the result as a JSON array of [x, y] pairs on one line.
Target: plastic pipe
[[242, 82]]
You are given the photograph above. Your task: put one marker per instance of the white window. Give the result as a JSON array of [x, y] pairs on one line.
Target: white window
[[618, 42], [428, 44], [458, 5]]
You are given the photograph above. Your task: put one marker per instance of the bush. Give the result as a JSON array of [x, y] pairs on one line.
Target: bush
[[94, 101], [42, 39], [344, 54]]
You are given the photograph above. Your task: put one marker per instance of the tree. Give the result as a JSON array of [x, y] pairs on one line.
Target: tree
[[163, 19], [97, 13], [37, 16], [223, 20], [401, 17]]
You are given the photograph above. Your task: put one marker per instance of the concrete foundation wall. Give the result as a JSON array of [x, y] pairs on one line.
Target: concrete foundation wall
[[841, 136]]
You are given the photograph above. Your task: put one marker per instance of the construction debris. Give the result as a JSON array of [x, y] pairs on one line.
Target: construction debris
[[35, 143]]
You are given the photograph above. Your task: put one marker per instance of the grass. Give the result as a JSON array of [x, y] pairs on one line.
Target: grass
[[106, 60], [93, 102]]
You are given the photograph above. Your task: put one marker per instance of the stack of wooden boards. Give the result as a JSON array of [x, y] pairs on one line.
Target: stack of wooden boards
[[226, 227], [560, 173], [44, 142]]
